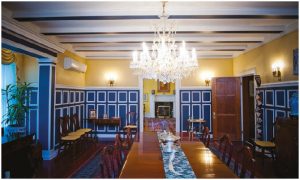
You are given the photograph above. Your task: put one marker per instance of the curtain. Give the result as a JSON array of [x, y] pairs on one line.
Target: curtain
[[9, 76], [8, 56]]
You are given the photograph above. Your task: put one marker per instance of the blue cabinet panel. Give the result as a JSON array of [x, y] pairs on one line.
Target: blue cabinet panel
[[101, 97], [33, 98], [101, 110], [77, 98], [196, 111], [72, 93], [185, 113], [280, 113], [269, 123], [33, 115], [269, 97], [122, 109], [185, 96], [88, 108], [65, 97], [71, 111], [112, 96], [122, 96], [57, 115], [58, 97], [196, 96], [81, 96], [207, 115], [206, 96], [90, 96], [65, 111], [133, 96], [280, 98]]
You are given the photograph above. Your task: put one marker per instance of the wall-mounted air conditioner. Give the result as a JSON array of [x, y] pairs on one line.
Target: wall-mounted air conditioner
[[71, 64]]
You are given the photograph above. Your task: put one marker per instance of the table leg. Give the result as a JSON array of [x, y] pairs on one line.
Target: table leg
[[263, 158]]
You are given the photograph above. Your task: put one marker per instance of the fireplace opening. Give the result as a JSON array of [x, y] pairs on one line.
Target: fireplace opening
[[163, 109]]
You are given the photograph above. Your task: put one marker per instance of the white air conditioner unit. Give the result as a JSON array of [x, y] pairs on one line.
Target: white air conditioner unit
[[71, 64]]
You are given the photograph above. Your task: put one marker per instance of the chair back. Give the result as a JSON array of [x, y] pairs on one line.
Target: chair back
[[63, 126], [109, 166], [131, 118], [206, 137], [245, 163], [75, 122], [226, 149]]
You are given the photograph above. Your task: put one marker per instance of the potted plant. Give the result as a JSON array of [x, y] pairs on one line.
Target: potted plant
[[17, 99]]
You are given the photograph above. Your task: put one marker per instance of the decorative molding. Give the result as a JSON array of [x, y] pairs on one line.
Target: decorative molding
[[195, 88], [280, 84]]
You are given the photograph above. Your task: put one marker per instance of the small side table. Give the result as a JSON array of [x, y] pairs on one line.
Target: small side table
[[265, 145], [191, 125]]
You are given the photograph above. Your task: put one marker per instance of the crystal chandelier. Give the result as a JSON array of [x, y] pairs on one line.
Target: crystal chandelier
[[165, 61]]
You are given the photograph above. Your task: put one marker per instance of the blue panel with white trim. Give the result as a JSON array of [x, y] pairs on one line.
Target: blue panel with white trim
[[101, 110], [133, 96], [65, 97], [122, 96], [196, 96], [122, 112], [185, 114], [77, 97], [101, 96], [90, 96], [206, 96], [58, 97], [269, 97], [197, 104], [72, 96], [112, 96], [33, 97], [275, 104]]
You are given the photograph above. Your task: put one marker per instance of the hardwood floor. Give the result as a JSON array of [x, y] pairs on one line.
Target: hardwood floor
[[66, 166]]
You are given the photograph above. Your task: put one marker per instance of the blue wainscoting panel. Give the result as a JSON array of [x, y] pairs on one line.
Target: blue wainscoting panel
[[90, 96], [269, 97], [197, 104], [112, 96], [101, 97], [185, 114], [275, 104]]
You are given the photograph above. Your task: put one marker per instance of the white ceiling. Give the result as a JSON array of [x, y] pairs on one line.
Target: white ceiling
[[112, 30]]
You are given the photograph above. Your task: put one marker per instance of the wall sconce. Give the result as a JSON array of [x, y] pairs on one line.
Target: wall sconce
[[111, 77], [206, 76], [276, 70]]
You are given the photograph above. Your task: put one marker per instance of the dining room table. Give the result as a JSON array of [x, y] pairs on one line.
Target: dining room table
[[145, 159]]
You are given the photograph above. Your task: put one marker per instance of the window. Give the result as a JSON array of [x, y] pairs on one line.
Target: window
[[9, 76]]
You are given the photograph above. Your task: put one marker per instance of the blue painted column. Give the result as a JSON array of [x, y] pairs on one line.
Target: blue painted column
[[46, 126]]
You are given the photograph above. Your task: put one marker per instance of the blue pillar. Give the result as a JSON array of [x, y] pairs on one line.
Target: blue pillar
[[46, 126]]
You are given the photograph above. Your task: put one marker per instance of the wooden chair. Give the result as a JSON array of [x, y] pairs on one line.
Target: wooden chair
[[66, 141], [206, 137], [244, 165], [108, 166], [226, 150], [77, 130]]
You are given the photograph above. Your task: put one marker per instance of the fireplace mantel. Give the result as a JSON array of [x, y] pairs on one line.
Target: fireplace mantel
[[159, 98]]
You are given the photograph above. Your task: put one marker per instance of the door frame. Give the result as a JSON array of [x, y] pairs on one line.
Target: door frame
[[249, 72]]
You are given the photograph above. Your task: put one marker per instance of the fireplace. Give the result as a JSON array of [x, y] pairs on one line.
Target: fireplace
[[163, 109]]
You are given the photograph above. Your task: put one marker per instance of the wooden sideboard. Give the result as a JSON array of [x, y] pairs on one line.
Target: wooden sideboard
[[286, 140], [21, 156]]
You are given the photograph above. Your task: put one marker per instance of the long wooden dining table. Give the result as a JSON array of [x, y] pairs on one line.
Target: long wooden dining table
[[144, 159]]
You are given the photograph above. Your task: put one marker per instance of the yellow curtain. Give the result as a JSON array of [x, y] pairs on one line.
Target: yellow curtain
[[8, 56]]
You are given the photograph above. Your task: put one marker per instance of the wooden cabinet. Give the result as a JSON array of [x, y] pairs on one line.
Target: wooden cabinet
[[286, 140]]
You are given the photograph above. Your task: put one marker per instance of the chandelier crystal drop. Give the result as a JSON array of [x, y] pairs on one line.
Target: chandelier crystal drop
[[165, 61]]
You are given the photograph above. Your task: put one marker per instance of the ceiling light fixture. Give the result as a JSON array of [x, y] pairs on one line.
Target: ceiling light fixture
[[165, 62]]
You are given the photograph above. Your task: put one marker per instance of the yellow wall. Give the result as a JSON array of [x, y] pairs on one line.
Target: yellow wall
[[150, 84], [28, 69], [97, 71], [262, 58], [68, 77], [218, 67]]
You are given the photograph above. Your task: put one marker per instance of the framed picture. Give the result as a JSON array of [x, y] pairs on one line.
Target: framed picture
[[295, 61], [161, 87], [145, 97], [92, 113]]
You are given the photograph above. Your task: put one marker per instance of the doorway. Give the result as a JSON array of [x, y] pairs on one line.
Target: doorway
[[248, 107]]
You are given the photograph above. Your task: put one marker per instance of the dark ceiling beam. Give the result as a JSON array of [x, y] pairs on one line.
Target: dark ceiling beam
[[133, 17], [233, 17], [125, 42], [85, 50], [85, 18], [151, 32]]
